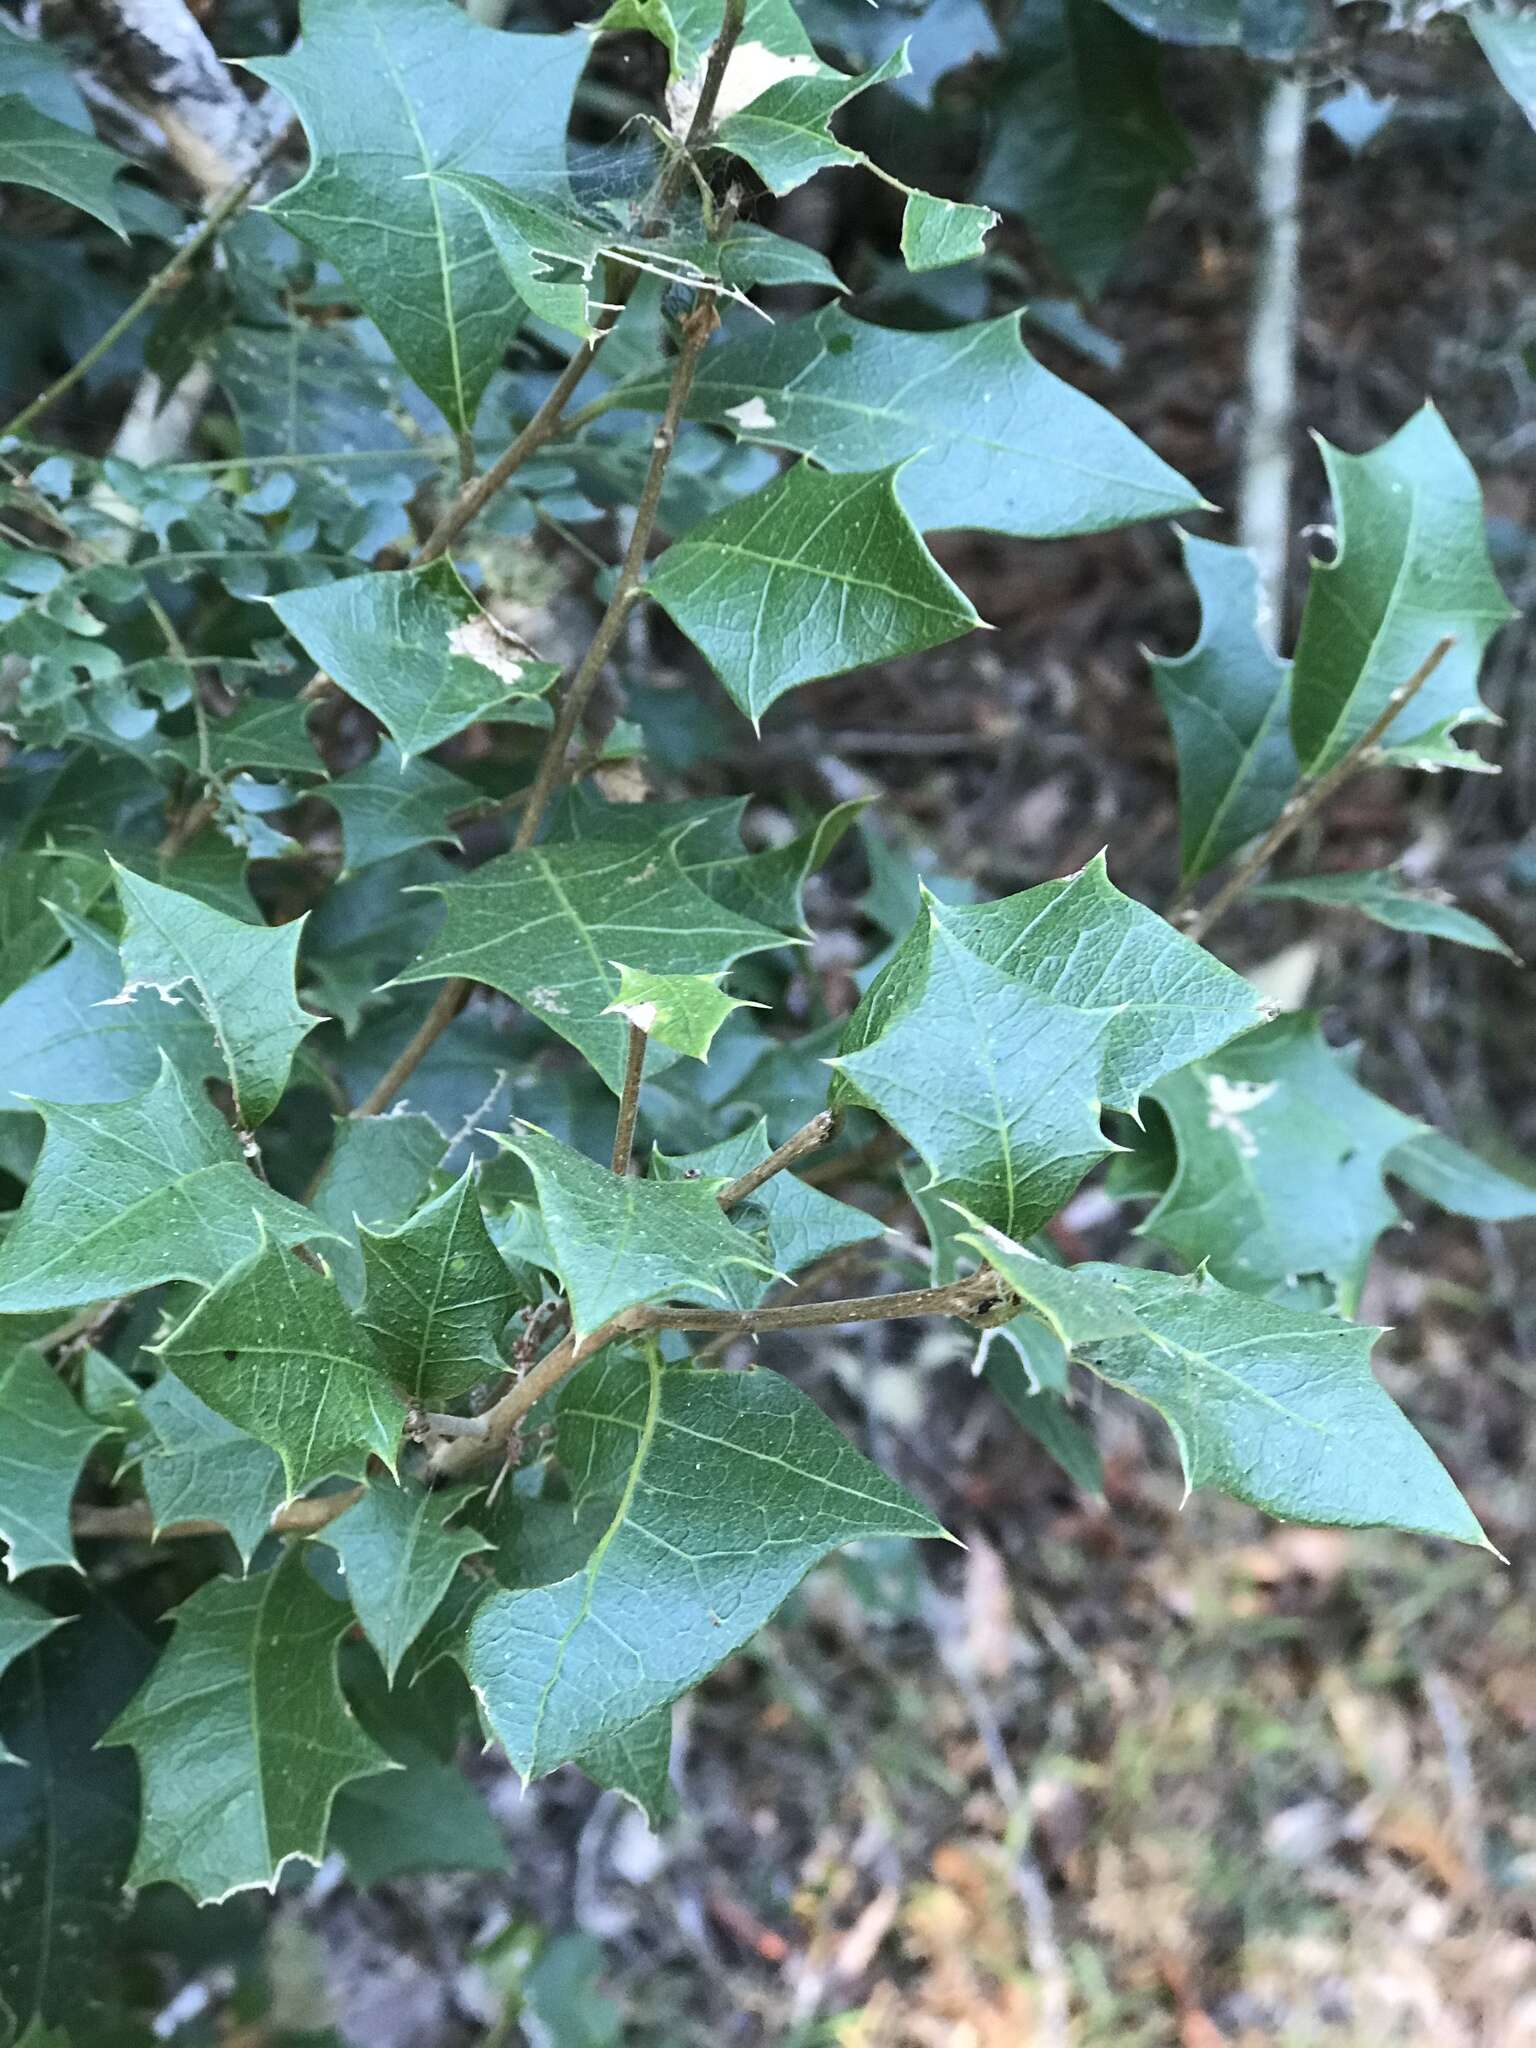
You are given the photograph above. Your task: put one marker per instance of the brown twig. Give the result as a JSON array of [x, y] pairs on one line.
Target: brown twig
[[1310, 796], [629, 1098], [136, 1522], [810, 1137], [669, 191]]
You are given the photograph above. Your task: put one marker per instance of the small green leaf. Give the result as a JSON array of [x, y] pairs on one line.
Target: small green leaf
[[128, 1194], [379, 1169], [38, 151], [241, 978], [637, 1761], [724, 1489], [1382, 895], [938, 232], [391, 804], [1229, 704], [43, 1448], [34, 887], [683, 1011], [422, 1817], [40, 72], [398, 1556], [242, 1736], [811, 576], [389, 92], [1453, 1178], [544, 927], [618, 1241], [271, 734], [273, 1350], [439, 1294], [416, 650], [783, 132], [1079, 1308], [22, 1625], [1041, 1411], [1411, 566], [201, 1468]]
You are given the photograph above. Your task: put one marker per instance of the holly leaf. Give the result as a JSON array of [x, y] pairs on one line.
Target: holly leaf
[[938, 232], [984, 435], [683, 1011], [810, 576], [129, 1194], [997, 1033], [399, 1555], [268, 733], [1382, 895], [684, 1572], [439, 1295], [21, 1627], [795, 1223], [414, 648], [783, 131], [1280, 1156], [1453, 1178], [390, 93], [1228, 701], [53, 157], [1411, 567], [421, 1817], [272, 1349], [545, 925], [379, 1169], [618, 1242], [242, 1736], [240, 976], [1077, 1307], [637, 1761], [34, 887], [43, 1448], [200, 1467], [391, 804]]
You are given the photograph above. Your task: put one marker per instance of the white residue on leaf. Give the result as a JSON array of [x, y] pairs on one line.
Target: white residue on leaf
[[165, 990], [641, 1015], [752, 69], [483, 641], [547, 1000], [752, 416], [1230, 1101]]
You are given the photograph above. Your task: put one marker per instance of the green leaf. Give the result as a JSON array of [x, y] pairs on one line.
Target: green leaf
[[1280, 1161], [39, 71], [272, 1349], [996, 1035], [1509, 43], [1454, 1178], [21, 1626], [1411, 566], [241, 978], [1228, 702], [985, 435], [266, 733], [389, 92], [1382, 895], [618, 1241], [544, 927], [44, 1444], [1042, 1412], [811, 576], [938, 232], [51, 157], [795, 1224], [423, 1817], [242, 1736], [725, 1488], [399, 1556], [391, 804], [129, 1194], [749, 256], [414, 648], [379, 1169], [683, 1011], [439, 1295], [1082, 142], [1078, 1307], [783, 132], [637, 1761], [34, 887], [201, 1468]]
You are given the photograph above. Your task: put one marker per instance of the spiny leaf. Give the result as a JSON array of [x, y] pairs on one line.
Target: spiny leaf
[[128, 1194], [38, 151], [389, 92], [683, 1011], [21, 1626], [783, 132], [240, 976], [544, 927], [724, 1489], [618, 1242], [814, 575], [1410, 567], [637, 1761], [399, 1555], [199, 1467], [1383, 895], [379, 1169], [391, 804], [273, 1350], [439, 1294], [44, 1444], [242, 1736], [415, 649], [1280, 1161], [985, 435], [996, 1034], [1454, 1178], [938, 232], [1228, 702]]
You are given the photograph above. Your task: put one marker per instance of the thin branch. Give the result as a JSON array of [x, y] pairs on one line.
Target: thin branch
[[1265, 500], [1310, 796], [629, 1098], [451, 998], [135, 1522], [810, 1137], [676, 175]]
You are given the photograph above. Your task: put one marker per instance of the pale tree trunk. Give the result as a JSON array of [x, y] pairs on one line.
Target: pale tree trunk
[[1264, 515]]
